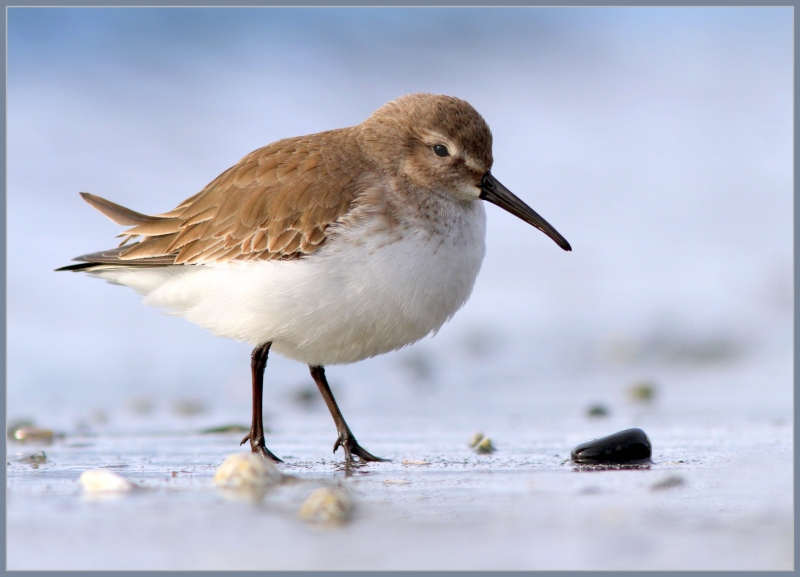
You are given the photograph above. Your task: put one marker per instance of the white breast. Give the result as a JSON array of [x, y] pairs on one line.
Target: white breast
[[363, 294]]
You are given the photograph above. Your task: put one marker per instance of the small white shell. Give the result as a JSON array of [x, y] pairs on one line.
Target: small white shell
[[246, 471], [101, 481], [475, 439], [415, 462], [329, 506], [485, 447], [396, 482]]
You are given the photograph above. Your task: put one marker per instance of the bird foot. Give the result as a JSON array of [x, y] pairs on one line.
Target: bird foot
[[351, 447], [259, 447]]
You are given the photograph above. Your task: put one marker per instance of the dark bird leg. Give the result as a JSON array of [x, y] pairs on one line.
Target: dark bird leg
[[346, 438], [258, 362]]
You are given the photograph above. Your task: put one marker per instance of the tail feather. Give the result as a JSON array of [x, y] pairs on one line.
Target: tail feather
[[158, 230], [111, 258], [118, 214], [77, 267]]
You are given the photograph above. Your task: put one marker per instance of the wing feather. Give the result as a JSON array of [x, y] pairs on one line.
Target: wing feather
[[275, 203], [149, 247]]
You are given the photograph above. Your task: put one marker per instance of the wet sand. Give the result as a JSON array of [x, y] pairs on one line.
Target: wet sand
[[717, 496]]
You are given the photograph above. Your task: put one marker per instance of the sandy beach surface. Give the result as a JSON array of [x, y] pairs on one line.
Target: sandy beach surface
[[717, 496]]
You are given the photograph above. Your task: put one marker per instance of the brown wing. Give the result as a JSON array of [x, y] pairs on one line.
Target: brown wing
[[275, 203]]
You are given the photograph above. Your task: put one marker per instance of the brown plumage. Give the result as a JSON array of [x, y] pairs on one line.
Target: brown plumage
[[276, 202], [279, 201]]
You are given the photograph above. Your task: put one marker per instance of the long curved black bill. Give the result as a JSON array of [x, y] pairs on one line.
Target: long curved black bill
[[494, 192]]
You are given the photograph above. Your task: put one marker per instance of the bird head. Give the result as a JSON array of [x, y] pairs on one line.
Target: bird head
[[442, 144]]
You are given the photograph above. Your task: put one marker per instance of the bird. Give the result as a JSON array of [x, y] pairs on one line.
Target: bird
[[328, 248]]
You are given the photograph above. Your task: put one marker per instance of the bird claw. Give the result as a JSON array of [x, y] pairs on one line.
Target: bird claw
[[351, 447], [259, 447]]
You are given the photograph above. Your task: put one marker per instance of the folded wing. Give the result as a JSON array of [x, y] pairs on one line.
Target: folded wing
[[275, 203]]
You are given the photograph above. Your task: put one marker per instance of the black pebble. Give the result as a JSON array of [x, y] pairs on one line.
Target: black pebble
[[628, 446]]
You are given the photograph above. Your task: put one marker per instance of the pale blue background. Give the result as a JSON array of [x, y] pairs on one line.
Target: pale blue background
[[657, 141]]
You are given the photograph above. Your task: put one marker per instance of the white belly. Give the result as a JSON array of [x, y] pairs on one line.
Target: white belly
[[357, 297]]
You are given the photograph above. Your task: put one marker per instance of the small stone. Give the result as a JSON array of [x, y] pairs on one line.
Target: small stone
[[628, 446], [30, 434], [396, 482], [419, 364], [669, 483], [642, 391], [327, 506], [246, 471], [34, 459], [189, 407], [415, 462], [225, 429], [475, 439], [306, 397], [485, 447], [141, 406], [597, 410], [100, 481]]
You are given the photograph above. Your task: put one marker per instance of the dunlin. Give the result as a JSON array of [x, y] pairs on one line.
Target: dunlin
[[328, 248]]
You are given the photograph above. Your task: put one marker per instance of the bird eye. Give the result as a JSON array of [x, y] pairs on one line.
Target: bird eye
[[441, 150]]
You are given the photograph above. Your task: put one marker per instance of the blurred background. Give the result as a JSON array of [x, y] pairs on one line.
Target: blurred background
[[657, 141]]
